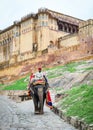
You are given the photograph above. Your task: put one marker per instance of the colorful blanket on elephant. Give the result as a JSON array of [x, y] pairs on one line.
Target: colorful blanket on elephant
[[48, 100]]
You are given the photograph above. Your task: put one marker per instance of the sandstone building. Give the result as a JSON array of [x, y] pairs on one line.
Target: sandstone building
[[40, 33]]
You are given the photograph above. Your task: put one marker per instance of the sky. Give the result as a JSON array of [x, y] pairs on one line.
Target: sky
[[14, 10]]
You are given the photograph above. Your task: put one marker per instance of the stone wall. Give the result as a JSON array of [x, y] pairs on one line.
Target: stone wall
[[16, 95], [69, 40], [79, 124]]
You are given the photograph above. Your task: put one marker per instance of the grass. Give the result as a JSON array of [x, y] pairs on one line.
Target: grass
[[18, 85], [59, 70], [79, 102], [0, 84], [89, 68], [58, 89]]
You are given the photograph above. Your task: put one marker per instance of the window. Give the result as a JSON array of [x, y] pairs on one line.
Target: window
[[46, 23], [17, 34], [45, 16], [42, 23], [51, 21], [42, 16], [51, 27]]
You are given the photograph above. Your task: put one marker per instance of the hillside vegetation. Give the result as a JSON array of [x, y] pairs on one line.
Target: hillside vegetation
[[75, 87], [54, 72], [78, 103]]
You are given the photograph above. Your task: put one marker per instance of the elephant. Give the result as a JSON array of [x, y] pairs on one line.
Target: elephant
[[38, 93]]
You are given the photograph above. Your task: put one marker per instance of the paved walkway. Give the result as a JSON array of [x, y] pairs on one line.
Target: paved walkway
[[20, 116]]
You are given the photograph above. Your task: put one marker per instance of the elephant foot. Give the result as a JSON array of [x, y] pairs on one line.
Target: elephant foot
[[36, 112], [41, 113]]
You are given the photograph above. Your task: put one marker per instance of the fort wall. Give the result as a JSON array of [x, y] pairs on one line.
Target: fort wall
[[44, 33]]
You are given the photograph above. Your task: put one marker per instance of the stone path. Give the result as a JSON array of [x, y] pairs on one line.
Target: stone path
[[20, 116]]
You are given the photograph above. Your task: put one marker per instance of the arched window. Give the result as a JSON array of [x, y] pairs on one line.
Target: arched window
[[61, 26], [35, 46], [74, 29], [51, 44], [66, 28], [70, 29]]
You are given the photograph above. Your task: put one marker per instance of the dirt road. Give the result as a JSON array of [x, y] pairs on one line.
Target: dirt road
[[20, 116]]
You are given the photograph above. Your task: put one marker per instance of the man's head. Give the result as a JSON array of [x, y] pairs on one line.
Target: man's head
[[39, 69]]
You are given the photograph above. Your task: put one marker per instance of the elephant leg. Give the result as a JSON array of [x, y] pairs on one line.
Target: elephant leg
[[36, 110], [40, 103], [41, 108]]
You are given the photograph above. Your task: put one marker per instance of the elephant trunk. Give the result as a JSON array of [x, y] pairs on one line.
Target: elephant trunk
[[40, 95]]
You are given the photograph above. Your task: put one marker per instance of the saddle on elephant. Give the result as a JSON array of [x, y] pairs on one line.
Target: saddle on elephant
[[41, 81]]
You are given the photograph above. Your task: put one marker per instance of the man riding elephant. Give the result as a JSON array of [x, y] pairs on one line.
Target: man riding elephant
[[42, 75], [39, 87]]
